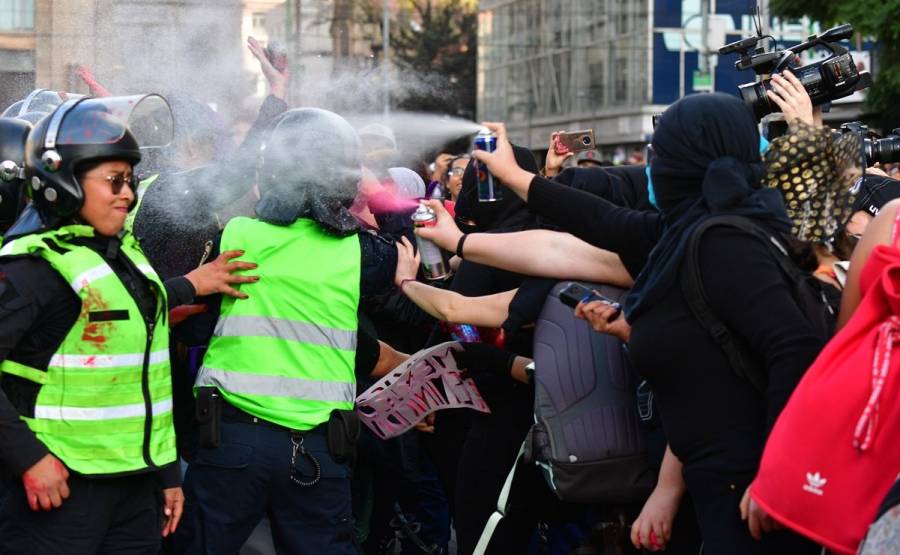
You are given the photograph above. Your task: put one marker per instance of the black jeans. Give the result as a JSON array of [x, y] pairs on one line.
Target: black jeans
[[230, 488], [486, 457], [102, 515], [716, 489]]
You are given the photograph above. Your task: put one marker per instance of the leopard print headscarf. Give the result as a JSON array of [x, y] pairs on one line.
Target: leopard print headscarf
[[815, 171]]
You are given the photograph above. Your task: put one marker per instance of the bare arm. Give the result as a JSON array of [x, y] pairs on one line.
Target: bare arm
[[518, 369], [878, 233], [488, 311], [537, 252], [388, 359], [653, 528], [448, 306], [547, 254]]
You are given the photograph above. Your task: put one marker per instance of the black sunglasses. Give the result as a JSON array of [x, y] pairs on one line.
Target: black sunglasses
[[119, 180]]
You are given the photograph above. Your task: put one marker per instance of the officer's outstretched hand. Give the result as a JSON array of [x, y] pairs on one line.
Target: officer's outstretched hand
[[174, 505], [407, 262], [45, 484], [218, 276]]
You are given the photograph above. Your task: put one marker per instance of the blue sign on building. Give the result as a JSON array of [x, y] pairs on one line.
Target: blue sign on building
[[677, 44]]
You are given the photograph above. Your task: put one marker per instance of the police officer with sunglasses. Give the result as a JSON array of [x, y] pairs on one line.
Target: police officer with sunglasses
[[87, 445]]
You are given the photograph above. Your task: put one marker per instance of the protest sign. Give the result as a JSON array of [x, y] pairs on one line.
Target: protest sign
[[427, 382]]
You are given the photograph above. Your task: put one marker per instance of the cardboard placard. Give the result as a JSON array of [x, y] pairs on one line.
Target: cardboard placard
[[427, 382]]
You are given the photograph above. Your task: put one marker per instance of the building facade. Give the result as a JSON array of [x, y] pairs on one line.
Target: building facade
[[132, 46], [17, 49], [610, 65]]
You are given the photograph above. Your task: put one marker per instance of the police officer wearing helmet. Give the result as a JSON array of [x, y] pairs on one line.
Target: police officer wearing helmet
[[13, 134], [284, 363], [87, 444]]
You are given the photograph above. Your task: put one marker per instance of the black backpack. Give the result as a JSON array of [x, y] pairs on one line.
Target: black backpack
[[808, 292], [587, 438]]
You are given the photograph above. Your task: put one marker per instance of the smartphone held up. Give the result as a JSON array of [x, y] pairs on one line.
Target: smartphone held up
[[573, 141]]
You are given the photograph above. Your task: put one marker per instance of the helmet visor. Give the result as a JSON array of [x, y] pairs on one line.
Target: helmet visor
[[40, 101], [100, 121]]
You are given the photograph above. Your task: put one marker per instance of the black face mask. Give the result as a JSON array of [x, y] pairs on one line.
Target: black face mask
[[509, 213]]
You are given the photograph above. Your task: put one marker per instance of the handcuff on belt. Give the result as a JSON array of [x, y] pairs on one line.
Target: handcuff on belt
[[297, 442]]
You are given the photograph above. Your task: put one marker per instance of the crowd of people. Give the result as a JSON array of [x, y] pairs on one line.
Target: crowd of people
[[182, 343]]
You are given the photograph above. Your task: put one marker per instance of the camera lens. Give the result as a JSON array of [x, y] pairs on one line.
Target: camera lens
[[586, 140], [754, 96], [885, 151]]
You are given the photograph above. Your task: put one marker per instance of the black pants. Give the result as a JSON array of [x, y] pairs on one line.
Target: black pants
[[102, 515], [716, 491], [230, 488], [486, 457]]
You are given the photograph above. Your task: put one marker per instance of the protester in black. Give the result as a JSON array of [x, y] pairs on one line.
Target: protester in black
[[708, 163], [474, 452]]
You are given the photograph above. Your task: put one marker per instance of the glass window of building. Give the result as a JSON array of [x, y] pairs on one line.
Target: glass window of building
[[16, 15]]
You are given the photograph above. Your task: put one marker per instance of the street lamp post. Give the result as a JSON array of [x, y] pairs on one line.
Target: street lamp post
[[385, 59]]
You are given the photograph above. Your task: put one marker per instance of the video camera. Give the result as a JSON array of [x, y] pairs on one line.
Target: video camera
[[885, 151], [824, 80]]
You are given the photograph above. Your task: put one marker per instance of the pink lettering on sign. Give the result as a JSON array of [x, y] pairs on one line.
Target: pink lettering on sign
[[428, 381]]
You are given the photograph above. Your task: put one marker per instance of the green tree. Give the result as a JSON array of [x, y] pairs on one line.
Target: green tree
[[879, 19], [433, 45], [439, 39]]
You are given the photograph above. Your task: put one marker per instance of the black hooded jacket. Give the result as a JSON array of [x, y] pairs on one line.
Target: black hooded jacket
[[598, 220], [715, 419]]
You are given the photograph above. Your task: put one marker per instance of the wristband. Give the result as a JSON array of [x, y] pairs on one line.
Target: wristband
[[403, 282], [459, 245]]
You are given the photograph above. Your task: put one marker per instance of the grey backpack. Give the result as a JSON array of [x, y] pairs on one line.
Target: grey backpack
[[587, 436]]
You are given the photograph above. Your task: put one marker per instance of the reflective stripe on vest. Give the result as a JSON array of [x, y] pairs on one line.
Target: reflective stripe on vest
[[302, 332], [105, 413], [105, 400], [287, 354], [277, 386]]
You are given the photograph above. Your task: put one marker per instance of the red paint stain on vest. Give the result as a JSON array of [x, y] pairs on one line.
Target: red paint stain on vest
[[94, 332]]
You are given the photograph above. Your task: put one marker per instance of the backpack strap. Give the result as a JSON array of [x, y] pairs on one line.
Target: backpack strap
[[739, 358], [502, 506]]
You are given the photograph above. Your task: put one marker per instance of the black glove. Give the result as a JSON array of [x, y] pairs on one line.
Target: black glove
[[488, 366]]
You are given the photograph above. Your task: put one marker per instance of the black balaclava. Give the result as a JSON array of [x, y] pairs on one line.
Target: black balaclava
[[706, 163], [508, 214]]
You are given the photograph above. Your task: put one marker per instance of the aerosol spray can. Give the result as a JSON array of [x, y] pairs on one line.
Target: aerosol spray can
[[488, 189], [433, 263], [464, 333], [277, 55]]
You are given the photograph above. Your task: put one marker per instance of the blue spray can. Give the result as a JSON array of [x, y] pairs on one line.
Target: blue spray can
[[464, 333], [488, 189]]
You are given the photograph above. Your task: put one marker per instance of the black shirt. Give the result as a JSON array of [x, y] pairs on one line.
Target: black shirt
[[708, 410], [37, 310], [631, 234]]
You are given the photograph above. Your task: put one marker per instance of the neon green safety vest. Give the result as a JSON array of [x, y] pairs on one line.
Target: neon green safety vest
[[105, 401], [139, 197], [287, 354]]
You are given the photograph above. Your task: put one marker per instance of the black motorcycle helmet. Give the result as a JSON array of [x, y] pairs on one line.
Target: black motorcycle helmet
[[309, 165], [13, 134], [78, 132]]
